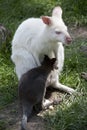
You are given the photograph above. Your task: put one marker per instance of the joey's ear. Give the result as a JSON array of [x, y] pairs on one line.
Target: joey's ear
[[53, 60], [46, 20], [46, 58], [54, 63], [57, 11]]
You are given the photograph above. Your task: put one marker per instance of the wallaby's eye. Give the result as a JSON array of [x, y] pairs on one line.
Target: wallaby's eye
[[57, 32]]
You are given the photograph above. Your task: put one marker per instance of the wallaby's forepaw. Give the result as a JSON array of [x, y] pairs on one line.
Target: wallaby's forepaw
[[56, 65], [71, 91]]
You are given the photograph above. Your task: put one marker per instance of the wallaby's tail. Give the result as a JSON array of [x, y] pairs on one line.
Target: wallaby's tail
[[26, 113]]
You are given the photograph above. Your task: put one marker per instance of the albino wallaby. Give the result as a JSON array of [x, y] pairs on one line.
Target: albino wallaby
[[36, 37], [32, 88]]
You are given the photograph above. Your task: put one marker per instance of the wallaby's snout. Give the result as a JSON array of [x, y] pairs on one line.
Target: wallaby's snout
[[68, 39]]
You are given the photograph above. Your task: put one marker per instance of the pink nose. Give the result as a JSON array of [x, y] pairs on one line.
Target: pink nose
[[68, 39]]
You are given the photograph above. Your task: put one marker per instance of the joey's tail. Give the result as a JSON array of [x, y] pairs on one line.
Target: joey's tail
[[26, 114], [24, 122]]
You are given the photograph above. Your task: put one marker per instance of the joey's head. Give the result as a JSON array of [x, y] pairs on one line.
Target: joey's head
[[56, 30], [49, 63]]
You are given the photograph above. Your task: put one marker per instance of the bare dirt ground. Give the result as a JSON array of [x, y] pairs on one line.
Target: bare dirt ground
[[11, 116], [80, 32]]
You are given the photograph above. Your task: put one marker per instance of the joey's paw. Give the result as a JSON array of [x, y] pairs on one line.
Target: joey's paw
[[37, 108]]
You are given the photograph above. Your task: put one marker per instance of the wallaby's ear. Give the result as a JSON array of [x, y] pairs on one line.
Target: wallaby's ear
[[46, 20], [57, 11]]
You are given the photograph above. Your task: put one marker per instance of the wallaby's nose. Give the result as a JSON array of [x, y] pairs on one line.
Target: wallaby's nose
[[68, 39]]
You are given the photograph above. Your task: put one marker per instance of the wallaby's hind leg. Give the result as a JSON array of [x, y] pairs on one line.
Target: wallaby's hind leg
[[27, 110], [57, 85], [64, 88]]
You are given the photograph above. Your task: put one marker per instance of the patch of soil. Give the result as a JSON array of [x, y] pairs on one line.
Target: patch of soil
[[11, 118], [11, 115], [78, 32]]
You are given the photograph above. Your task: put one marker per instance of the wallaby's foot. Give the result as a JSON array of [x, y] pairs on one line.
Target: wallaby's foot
[[47, 103]]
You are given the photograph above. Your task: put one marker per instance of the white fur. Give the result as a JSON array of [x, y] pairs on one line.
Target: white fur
[[34, 38]]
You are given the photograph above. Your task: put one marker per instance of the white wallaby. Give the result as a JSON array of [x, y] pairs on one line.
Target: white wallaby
[[36, 37]]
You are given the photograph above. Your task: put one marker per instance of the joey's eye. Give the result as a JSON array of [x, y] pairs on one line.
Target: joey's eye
[[57, 32]]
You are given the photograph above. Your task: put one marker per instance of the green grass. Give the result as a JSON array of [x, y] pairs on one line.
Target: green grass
[[8, 80], [13, 12], [72, 113]]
